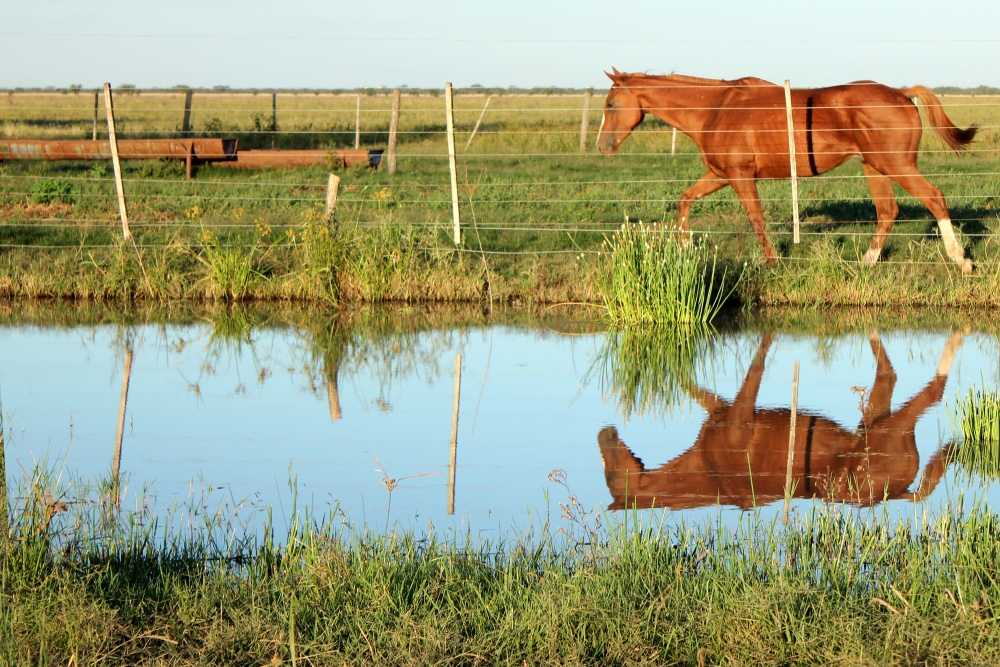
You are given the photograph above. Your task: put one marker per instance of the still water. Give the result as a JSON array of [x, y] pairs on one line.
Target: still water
[[698, 426]]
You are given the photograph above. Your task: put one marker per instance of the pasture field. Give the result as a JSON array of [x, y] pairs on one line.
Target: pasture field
[[535, 210]]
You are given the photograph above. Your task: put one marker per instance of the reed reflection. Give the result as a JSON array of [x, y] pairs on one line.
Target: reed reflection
[[740, 455]]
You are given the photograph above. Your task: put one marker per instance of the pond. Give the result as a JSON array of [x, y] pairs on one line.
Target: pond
[[248, 404]]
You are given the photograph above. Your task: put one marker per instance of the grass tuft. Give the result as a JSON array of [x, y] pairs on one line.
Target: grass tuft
[[976, 420], [231, 268], [647, 274]]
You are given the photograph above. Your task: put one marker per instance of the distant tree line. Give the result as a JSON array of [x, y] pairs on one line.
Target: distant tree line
[[955, 90]]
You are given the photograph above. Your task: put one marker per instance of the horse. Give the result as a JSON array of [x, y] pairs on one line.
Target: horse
[[741, 129], [740, 456]]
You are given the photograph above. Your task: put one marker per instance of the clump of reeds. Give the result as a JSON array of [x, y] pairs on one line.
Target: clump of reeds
[[975, 419], [654, 273], [231, 267]]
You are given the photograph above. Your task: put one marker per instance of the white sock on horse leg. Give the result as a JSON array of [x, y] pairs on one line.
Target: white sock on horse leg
[[948, 354], [871, 257], [951, 245]]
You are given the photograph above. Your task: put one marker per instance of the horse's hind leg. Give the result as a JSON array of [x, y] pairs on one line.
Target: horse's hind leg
[[745, 186], [918, 186], [885, 207], [703, 187]]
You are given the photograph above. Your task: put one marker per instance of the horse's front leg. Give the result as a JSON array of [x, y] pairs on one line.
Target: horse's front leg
[[885, 207], [745, 185], [704, 186]]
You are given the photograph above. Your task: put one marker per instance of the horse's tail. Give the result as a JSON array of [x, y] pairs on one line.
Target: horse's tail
[[957, 139]]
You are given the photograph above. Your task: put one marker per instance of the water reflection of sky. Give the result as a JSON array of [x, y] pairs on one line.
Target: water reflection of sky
[[244, 420]]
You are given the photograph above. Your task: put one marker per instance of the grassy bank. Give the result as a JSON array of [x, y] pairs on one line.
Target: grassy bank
[[535, 211], [86, 583]]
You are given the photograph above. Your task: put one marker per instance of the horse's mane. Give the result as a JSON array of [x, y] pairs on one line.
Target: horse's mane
[[684, 78]]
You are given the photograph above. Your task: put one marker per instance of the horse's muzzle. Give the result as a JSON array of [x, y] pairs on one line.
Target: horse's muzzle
[[607, 145]]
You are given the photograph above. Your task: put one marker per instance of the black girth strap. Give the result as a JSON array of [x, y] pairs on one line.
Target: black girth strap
[[809, 136]]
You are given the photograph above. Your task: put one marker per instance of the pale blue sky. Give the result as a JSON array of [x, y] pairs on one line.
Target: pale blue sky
[[300, 43]]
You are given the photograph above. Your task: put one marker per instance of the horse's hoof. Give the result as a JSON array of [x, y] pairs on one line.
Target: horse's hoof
[[967, 267]]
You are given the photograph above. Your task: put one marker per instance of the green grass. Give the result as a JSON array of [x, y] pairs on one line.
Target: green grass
[[648, 275], [90, 583], [975, 420]]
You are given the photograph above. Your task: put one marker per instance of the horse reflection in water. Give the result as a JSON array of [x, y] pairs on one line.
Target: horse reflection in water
[[740, 457]]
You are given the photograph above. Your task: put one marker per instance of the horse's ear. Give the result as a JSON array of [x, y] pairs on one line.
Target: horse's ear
[[616, 77]]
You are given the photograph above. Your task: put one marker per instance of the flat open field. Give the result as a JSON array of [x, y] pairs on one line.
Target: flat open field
[[534, 208]]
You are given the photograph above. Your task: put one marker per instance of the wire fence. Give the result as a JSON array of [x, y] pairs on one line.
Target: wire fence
[[530, 181]]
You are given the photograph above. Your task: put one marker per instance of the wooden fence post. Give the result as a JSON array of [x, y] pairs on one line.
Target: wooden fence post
[[390, 153], [115, 162], [189, 161], [96, 104], [449, 111], [479, 121], [791, 441], [794, 166], [454, 434], [357, 125], [274, 117], [584, 121], [116, 464], [186, 123], [332, 185], [673, 141]]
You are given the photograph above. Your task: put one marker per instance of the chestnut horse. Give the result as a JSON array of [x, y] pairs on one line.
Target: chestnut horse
[[740, 456], [741, 129]]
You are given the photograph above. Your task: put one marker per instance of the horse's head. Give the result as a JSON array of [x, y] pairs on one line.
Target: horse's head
[[622, 113]]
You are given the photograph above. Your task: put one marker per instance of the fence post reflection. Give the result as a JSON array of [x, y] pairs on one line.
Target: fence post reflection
[[333, 394], [4, 508], [116, 465], [791, 441], [454, 434]]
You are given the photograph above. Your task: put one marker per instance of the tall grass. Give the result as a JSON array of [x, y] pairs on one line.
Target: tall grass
[[649, 274], [87, 583], [230, 267], [975, 418]]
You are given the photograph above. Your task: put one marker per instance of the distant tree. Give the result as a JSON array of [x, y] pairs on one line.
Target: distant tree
[[955, 90]]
